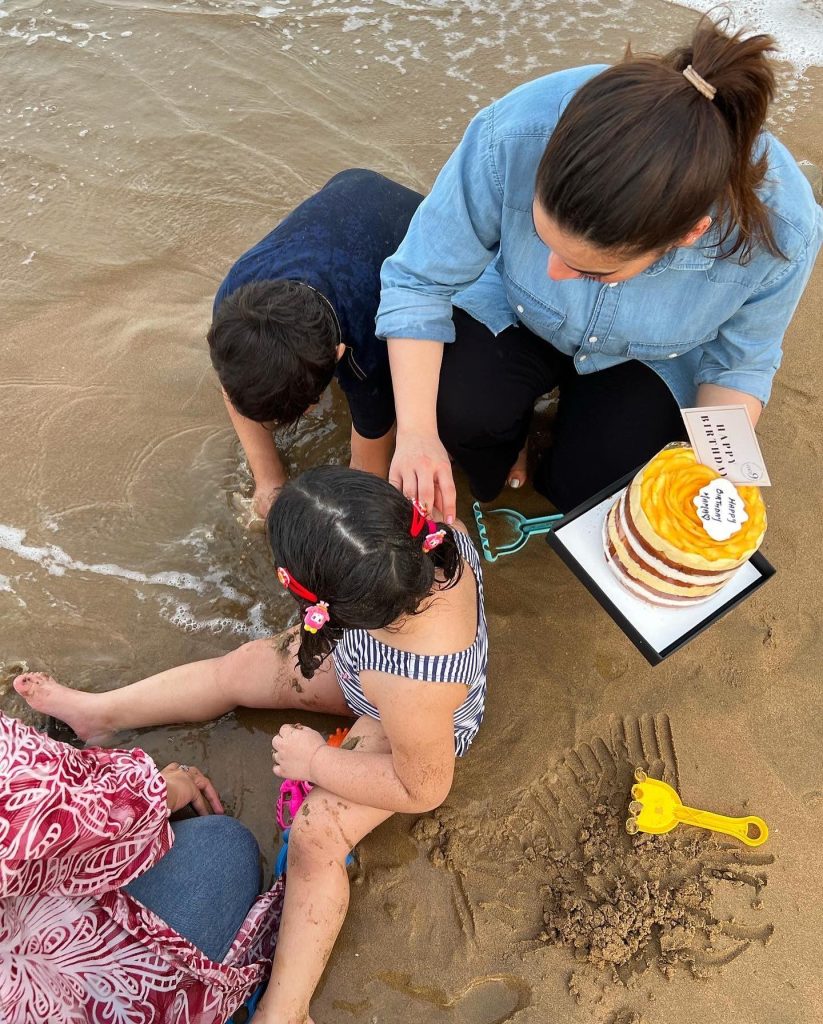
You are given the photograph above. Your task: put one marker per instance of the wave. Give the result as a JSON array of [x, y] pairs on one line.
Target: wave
[[797, 25]]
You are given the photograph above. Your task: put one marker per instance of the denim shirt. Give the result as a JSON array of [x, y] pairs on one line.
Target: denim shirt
[[690, 317]]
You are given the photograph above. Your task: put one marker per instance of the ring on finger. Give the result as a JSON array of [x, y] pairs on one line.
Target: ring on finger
[[184, 767]]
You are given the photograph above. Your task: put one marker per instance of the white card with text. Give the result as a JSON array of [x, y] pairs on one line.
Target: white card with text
[[723, 438]]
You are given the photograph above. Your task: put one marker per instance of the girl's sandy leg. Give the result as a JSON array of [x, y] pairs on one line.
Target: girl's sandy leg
[[182, 694], [316, 900], [317, 890], [83, 712], [259, 674]]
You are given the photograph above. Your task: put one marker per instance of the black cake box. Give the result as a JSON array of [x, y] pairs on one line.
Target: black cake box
[[657, 632]]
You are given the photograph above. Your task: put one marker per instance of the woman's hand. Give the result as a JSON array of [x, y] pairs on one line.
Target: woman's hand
[[292, 751], [188, 785], [421, 469]]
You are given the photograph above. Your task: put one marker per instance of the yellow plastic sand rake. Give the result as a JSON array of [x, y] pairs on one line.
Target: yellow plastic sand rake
[[656, 808]]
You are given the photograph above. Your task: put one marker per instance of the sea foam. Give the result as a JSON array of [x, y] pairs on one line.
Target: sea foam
[[58, 562], [797, 25]]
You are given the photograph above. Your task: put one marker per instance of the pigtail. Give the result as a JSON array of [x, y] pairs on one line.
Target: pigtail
[[446, 557], [316, 647]]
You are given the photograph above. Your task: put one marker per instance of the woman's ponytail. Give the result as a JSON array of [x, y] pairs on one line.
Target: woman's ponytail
[[643, 151], [739, 70]]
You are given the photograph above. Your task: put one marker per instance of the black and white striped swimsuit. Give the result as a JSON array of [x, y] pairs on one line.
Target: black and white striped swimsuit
[[358, 652]]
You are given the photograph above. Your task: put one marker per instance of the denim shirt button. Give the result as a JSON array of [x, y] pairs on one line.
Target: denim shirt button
[[613, 284], [582, 358], [519, 309], [593, 339], [672, 355]]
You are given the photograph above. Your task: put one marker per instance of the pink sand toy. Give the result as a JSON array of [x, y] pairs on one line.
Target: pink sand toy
[[293, 793]]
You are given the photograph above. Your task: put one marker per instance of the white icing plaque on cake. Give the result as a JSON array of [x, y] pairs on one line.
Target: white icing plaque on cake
[[721, 509], [723, 438]]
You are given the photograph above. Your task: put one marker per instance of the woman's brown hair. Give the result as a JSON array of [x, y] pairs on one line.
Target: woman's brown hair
[[640, 155]]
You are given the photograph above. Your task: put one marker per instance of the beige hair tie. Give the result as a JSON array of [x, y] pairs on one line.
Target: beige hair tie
[[699, 83]]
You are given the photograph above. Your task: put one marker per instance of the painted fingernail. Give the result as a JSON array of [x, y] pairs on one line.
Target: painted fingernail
[[449, 520], [514, 483]]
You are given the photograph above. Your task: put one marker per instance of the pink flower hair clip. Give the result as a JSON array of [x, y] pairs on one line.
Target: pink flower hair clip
[[420, 520], [434, 539]]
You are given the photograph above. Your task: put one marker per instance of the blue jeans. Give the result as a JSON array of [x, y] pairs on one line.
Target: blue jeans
[[204, 886]]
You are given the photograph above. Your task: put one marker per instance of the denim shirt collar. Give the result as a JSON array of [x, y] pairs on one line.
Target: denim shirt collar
[[699, 256]]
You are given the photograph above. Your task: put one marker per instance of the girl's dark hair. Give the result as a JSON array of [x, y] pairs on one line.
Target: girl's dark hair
[[344, 535], [639, 155], [274, 346]]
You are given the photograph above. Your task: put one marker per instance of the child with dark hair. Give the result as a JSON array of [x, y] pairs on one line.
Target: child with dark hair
[[298, 309], [391, 631]]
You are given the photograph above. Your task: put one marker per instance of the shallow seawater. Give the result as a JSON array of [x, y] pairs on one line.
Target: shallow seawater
[[144, 146]]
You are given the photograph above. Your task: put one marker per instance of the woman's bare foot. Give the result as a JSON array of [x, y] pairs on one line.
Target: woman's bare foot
[[76, 708], [517, 474]]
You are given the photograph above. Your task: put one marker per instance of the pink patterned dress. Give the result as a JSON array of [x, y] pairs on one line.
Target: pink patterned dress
[[76, 826]]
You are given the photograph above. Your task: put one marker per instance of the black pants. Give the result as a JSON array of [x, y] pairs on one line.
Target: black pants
[[608, 422]]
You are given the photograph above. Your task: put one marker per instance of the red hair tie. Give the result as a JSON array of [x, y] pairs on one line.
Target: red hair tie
[[420, 519], [317, 615]]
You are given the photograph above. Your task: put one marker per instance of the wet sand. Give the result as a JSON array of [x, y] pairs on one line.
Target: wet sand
[[143, 155]]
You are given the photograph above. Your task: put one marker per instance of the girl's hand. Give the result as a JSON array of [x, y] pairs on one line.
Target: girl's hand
[[292, 751], [185, 785]]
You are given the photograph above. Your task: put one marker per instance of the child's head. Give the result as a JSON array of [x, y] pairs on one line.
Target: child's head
[[274, 346], [351, 540]]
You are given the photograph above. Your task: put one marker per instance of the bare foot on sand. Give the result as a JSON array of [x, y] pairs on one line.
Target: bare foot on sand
[[517, 474], [78, 709]]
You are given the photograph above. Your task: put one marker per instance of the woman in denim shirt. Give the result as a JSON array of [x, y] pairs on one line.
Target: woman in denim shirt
[[637, 219]]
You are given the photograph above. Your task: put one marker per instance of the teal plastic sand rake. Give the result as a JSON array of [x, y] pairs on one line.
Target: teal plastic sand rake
[[522, 526]]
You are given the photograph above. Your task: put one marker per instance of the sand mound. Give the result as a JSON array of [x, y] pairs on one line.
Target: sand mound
[[621, 905], [627, 903]]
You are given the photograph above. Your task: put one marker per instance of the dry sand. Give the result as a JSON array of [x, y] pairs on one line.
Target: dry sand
[[522, 899]]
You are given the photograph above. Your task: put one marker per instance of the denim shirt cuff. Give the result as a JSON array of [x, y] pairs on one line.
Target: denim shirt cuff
[[754, 383], [424, 319]]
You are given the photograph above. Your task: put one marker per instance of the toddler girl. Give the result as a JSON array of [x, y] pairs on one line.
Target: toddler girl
[[392, 632]]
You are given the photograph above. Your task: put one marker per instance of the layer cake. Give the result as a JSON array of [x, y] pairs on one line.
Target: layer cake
[[656, 542]]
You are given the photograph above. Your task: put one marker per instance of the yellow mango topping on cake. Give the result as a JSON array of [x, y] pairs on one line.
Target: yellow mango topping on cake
[[667, 491]]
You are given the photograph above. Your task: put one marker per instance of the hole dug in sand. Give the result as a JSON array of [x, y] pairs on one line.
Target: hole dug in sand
[[621, 905]]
